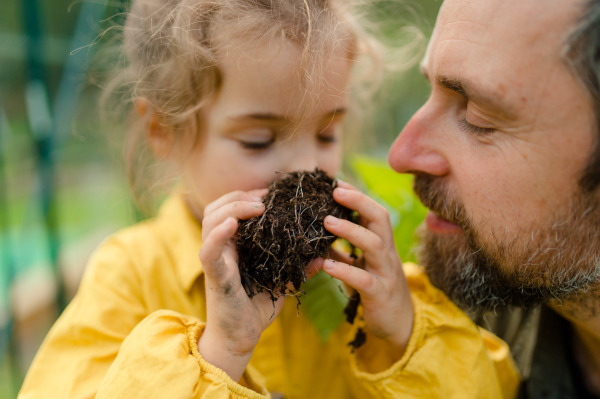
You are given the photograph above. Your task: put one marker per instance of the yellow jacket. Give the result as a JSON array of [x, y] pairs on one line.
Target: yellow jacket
[[132, 329]]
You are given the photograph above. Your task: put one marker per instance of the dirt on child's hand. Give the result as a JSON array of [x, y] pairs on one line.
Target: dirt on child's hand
[[234, 321]]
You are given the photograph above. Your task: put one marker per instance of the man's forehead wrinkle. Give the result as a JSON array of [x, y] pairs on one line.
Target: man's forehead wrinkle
[[451, 23], [520, 22]]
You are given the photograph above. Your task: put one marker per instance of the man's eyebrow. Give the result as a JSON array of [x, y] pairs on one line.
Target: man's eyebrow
[[466, 90], [453, 84]]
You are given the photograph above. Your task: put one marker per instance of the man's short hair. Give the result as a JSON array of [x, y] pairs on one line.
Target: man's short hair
[[582, 52]]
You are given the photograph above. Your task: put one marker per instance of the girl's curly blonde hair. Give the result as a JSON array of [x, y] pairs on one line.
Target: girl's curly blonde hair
[[171, 48]]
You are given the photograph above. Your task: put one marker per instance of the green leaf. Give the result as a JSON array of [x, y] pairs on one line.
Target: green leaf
[[324, 303], [394, 191]]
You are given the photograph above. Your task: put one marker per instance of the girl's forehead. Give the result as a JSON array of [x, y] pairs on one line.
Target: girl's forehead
[[269, 62], [269, 76]]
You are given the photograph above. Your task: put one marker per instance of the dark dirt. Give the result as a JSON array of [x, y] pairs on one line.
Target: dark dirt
[[276, 248], [359, 339], [352, 307], [350, 311]]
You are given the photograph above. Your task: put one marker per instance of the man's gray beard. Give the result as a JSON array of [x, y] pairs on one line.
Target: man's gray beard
[[558, 260]]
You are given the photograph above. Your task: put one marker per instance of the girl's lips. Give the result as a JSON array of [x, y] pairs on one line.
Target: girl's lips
[[438, 225]]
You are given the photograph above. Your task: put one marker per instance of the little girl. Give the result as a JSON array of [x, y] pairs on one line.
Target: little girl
[[228, 92]]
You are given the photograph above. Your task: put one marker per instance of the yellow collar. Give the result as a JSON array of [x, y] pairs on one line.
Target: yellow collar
[[184, 238]]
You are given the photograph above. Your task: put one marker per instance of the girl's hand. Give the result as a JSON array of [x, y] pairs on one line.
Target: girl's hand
[[234, 322], [379, 279]]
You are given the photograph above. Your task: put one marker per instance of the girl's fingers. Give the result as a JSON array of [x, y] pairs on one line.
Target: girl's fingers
[[314, 267], [377, 217], [211, 253], [361, 280], [317, 265], [234, 196], [238, 209], [346, 185], [370, 243], [340, 256], [259, 192]]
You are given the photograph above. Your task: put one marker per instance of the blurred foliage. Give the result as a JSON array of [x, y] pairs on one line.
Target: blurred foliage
[[394, 191], [323, 303]]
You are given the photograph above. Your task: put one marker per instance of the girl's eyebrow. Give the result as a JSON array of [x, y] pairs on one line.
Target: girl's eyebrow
[[335, 112], [268, 116]]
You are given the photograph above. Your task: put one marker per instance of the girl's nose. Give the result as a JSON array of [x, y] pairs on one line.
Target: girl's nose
[[304, 159], [419, 148]]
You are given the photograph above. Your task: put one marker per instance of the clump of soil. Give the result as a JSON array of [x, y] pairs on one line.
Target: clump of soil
[[276, 248]]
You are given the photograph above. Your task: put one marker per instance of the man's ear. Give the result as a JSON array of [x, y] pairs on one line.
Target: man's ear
[[158, 135]]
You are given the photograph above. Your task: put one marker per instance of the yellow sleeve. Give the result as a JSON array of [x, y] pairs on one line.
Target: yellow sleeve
[[447, 355], [506, 369], [86, 338], [160, 359], [103, 345]]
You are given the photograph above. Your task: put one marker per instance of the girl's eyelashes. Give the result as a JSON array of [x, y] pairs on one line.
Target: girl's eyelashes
[[329, 134], [470, 128], [256, 145], [326, 139]]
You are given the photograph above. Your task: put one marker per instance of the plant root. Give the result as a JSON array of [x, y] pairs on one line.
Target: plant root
[[276, 248]]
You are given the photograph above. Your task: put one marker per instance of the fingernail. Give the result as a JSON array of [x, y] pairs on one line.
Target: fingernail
[[329, 265], [341, 191], [257, 204], [256, 198], [332, 220]]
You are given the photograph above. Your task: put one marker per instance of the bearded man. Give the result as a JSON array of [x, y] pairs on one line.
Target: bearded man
[[506, 154]]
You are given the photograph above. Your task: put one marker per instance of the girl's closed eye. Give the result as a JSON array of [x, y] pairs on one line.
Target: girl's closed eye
[[255, 139], [330, 133], [327, 137]]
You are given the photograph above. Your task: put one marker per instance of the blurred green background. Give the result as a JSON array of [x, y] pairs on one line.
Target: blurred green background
[[62, 185]]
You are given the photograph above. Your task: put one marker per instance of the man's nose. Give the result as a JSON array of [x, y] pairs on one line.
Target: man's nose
[[419, 147]]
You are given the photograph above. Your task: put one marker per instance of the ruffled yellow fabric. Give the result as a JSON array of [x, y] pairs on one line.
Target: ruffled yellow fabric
[[132, 332]]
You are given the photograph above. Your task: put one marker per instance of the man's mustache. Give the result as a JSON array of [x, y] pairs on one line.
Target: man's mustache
[[433, 195]]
